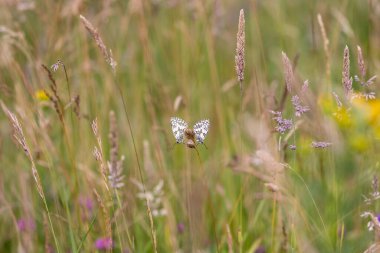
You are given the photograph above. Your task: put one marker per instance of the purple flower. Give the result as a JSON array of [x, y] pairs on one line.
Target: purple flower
[[180, 228], [260, 249], [25, 224], [369, 95], [300, 109], [320, 144], [292, 147], [89, 204], [282, 124], [378, 217], [104, 243]]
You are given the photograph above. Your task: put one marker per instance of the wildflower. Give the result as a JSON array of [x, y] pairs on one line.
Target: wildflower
[[41, 95], [375, 194], [56, 65], [369, 96], [25, 225], [115, 165], [116, 176], [299, 109], [87, 207], [180, 228], [154, 197], [282, 124], [374, 222], [292, 147], [104, 243], [364, 83], [260, 249], [320, 144]]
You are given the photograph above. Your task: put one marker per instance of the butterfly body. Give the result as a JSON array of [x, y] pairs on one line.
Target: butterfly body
[[191, 137]]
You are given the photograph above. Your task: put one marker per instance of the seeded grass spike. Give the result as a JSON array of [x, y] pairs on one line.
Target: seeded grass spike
[[188, 136], [346, 79], [240, 46]]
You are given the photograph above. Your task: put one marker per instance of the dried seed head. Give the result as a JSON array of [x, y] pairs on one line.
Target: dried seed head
[[325, 43], [106, 215], [18, 134], [115, 166], [240, 46], [321, 144], [107, 54], [288, 72], [346, 79], [337, 100], [361, 63]]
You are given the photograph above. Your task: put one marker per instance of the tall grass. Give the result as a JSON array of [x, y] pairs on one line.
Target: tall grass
[[291, 151]]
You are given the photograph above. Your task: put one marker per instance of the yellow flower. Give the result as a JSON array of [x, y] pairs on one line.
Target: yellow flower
[[359, 142], [41, 95], [340, 114]]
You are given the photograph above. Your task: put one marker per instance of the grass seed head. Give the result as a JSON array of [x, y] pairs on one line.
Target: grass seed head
[[240, 47], [346, 79]]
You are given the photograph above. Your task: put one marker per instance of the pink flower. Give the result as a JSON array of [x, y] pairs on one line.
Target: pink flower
[[25, 224], [104, 243]]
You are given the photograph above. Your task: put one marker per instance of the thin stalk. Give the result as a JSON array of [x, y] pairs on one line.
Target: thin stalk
[[241, 184], [274, 213], [72, 239], [125, 223], [85, 236], [51, 226], [153, 234], [211, 204]]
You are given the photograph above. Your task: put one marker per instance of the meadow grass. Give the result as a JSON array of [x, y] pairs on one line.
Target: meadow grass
[[87, 155]]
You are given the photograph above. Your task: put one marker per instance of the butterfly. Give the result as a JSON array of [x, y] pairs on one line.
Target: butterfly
[[190, 137]]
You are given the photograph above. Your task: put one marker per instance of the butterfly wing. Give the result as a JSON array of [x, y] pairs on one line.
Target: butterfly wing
[[201, 130], [178, 128]]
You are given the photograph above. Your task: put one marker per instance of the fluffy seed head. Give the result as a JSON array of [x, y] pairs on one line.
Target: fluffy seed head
[[240, 45], [346, 79], [361, 63], [288, 71]]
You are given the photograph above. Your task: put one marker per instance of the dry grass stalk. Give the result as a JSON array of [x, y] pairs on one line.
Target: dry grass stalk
[[288, 72], [106, 216], [240, 46], [361, 64], [18, 134], [96, 36], [346, 79], [229, 240], [54, 97], [113, 136], [48, 247], [77, 105], [115, 166], [98, 151], [325, 43]]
